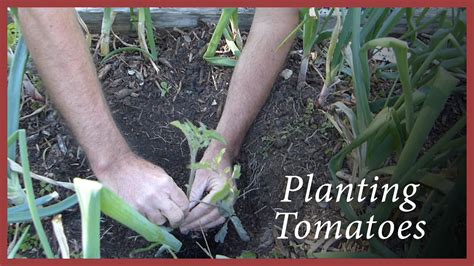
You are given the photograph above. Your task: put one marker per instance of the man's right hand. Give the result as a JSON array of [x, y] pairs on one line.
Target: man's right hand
[[147, 187]]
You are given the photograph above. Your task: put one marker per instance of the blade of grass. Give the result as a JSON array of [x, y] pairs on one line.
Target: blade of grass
[[25, 216], [15, 167], [39, 201], [310, 33], [150, 36], [429, 59], [30, 194], [442, 86], [331, 73], [20, 241], [390, 22], [401, 53], [368, 28], [15, 85], [122, 50]]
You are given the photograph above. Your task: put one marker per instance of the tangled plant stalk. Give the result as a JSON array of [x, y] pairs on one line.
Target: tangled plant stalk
[[198, 138]]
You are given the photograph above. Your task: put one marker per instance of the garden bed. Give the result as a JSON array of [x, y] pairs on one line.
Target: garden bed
[[289, 137], [287, 133]]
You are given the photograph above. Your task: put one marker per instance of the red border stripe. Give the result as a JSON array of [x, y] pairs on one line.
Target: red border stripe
[[244, 3]]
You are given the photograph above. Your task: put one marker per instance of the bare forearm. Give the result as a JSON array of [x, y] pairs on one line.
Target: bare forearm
[[59, 51], [255, 73]]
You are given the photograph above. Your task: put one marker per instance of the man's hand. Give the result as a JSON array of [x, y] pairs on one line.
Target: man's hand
[[202, 213], [71, 80], [148, 188]]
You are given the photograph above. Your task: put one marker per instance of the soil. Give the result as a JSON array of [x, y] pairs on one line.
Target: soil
[[289, 137]]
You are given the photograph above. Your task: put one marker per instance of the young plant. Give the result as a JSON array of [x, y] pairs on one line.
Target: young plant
[[225, 198], [104, 40], [197, 138], [146, 36], [229, 17], [145, 31], [312, 33]]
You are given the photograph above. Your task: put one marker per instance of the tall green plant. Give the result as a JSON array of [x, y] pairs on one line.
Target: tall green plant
[[224, 199], [227, 26], [197, 138], [145, 31], [399, 130]]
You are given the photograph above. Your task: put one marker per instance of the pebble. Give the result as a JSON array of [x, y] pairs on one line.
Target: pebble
[[286, 73], [123, 93]]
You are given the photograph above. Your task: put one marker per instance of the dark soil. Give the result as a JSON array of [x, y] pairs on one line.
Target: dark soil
[[289, 137]]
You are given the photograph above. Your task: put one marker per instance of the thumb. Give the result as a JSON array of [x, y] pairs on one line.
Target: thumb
[[197, 189]]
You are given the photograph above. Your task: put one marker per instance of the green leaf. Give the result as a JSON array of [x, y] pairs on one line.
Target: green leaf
[[30, 196], [201, 165], [25, 216], [15, 85], [39, 201], [437, 181], [247, 255], [123, 50], [221, 234], [222, 194], [20, 241], [240, 228], [88, 193], [215, 135], [218, 158], [221, 26], [150, 36], [236, 173]]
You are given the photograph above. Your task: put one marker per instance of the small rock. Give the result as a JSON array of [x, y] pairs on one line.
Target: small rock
[[134, 94], [286, 73], [187, 38], [214, 102], [123, 93], [140, 78]]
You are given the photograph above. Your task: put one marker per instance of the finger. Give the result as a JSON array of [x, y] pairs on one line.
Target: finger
[[197, 189], [214, 223], [156, 217], [202, 221], [171, 211], [179, 197], [200, 210]]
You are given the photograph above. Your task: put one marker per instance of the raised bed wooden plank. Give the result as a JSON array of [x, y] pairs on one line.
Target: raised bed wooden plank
[[163, 17], [190, 17]]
